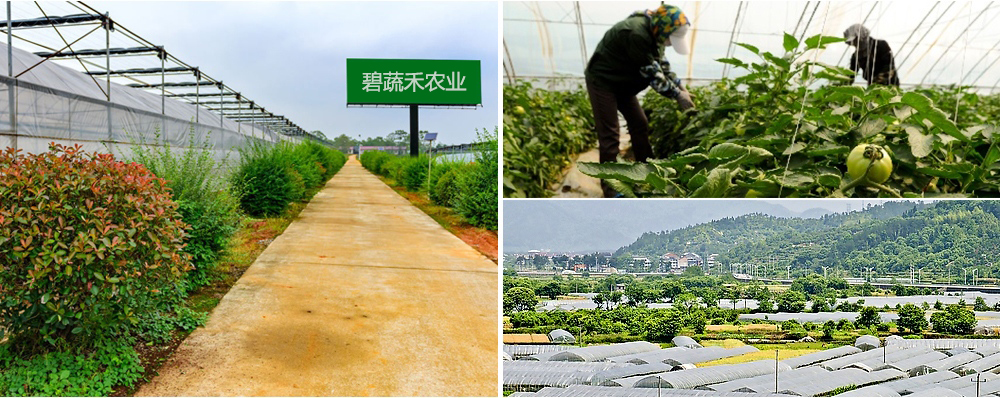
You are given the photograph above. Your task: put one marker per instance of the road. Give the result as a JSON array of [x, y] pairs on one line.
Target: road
[[362, 295]]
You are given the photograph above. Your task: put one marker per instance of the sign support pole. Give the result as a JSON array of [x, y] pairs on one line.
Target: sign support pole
[[414, 132]]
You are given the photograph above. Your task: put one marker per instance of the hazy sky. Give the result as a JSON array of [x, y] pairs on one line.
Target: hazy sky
[[290, 56]]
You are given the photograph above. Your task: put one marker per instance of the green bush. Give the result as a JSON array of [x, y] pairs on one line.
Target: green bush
[[446, 190], [78, 372], [87, 243], [203, 200], [479, 188], [373, 160], [306, 163], [413, 173], [263, 180]]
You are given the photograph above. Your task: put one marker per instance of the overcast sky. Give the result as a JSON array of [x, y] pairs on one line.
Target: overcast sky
[[290, 56]]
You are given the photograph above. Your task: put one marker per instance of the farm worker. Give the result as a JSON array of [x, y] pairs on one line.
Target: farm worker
[[873, 57], [627, 60]]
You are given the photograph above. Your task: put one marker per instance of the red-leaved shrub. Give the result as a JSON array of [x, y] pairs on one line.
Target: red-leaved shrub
[[86, 244]]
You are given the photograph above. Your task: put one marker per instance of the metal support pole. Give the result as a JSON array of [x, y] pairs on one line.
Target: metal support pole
[[775, 371], [221, 96], [414, 132], [197, 95], [107, 64], [12, 86], [163, 82]]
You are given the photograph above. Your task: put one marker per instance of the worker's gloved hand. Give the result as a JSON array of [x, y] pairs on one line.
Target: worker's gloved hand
[[684, 100]]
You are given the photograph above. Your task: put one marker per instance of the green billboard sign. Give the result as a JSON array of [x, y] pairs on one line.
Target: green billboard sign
[[413, 82]]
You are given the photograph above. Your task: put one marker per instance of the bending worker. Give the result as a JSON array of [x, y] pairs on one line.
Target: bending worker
[[872, 56], [629, 58]]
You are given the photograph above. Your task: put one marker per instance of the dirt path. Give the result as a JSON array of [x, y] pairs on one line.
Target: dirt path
[[364, 294]]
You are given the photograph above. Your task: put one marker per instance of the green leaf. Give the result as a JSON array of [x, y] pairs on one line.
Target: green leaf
[[871, 127], [795, 180], [781, 62], [828, 149], [113, 279], [99, 276], [733, 62], [820, 41], [791, 42], [629, 172], [752, 49], [621, 188], [992, 156], [829, 180], [77, 330], [920, 144], [726, 150], [717, 183], [45, 298], [926, 110], [794, 148]]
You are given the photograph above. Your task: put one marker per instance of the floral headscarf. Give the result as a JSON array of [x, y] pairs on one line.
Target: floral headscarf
[[664, 20]]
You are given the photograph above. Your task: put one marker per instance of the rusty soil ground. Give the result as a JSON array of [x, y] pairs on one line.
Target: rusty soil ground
[[363, 295]]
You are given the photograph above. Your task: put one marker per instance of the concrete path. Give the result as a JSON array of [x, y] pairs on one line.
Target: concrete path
[[363, 294]]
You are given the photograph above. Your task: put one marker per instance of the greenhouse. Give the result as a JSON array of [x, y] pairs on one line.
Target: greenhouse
[[964, 381], [871, 391], [654, 356], [987, 388], [985, 364], [915, 383], [765, 382], [112, 89], [867, 342], [841, 362], [592, 391], [599, 378], [776, 106], [820, 356], [891, 357], [837, 379], [936, 392], [910, 363], [692, 378], [602, 352], [945, 364], [518, 351], [685, 341], [561, 336]]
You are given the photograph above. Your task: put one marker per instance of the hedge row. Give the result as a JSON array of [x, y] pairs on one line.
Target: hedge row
[[269, 177], [469, 188]]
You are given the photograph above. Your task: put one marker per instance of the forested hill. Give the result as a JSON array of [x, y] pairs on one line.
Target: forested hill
[[889, 237]]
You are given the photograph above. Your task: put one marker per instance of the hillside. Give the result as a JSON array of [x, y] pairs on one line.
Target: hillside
[[938, 238]]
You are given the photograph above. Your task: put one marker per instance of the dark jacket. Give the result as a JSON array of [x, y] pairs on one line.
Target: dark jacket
[[875, 62], [626, 48]]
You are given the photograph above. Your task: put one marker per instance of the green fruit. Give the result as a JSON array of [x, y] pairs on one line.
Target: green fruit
[[519, 110], [867, 154]]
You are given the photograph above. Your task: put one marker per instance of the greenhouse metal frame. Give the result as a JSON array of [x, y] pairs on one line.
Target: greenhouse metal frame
[[602, 352], [65, 82], [693, 378], [908, 385]]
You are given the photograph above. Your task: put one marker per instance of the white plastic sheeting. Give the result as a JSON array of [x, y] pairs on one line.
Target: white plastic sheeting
[[53, 103], [935, 392], [765, 382], [693, 378], [984, 364], [838, 379], [594, 391], [653, 356], [601, 352], [945, 364], [964, 381], [911, 384], [561, 336], [685, 341], [867, 342], [870, 391], [934, 42], [518, 351], [820, 356]]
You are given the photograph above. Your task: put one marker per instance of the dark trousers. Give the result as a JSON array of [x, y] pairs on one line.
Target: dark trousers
[[606, 105]]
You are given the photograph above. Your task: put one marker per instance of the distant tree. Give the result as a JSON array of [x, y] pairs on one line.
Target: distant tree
[[540, 261], [664, 325], [765, 305], [810, 284], [926, 306], [685, 301], [938, 305], [599, 299], [868, 317], [820, 304], [697, 321], [519, 299], [791, 301], [980, 304], [552, 290], [638, 295], [867, 289], [693, 271], [912, 317], [670, 288], [342, 142], [615, 297], [954, 320]]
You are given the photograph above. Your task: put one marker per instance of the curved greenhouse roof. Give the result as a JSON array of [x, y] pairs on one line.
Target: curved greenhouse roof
[[912, 360], [917, 383], [867, 342], [984, 364], [652, 356], [820, 356], [685, 341], [599, 378], [945, 364], [596, 391], [602, 352], [522, 350], [765, 382], [711, 375], [964, 381], [946, 344], [561, 336], [935, 43], [837, 379], [935, 392], [870, 391]]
